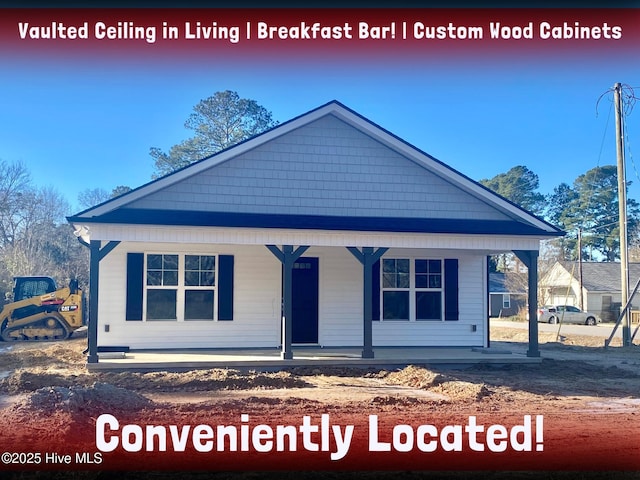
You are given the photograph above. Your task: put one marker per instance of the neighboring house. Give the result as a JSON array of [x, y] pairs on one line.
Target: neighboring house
[[601, 291], [506, 297], [325, 230]]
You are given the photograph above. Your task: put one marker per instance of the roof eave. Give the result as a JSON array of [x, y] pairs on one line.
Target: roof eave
[[309, 222]]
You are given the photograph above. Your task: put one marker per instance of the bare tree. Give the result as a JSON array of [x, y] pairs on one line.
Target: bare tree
[[14, 182], [34, 236]]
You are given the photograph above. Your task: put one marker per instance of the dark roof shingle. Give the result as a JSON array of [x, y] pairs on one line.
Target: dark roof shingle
[[603, 276]]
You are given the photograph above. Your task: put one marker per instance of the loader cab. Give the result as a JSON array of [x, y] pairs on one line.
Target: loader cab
[[28, 287]]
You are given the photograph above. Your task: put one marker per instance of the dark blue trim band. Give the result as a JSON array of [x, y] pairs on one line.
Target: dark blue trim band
[[315, 222]]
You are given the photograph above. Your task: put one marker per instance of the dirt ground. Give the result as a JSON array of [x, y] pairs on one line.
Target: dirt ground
[[577, 366], [589, 397]]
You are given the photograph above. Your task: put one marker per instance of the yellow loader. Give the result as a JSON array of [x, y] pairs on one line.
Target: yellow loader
[[38, 310]]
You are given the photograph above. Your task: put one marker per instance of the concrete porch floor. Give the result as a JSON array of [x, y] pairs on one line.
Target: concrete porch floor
[[269, 359]]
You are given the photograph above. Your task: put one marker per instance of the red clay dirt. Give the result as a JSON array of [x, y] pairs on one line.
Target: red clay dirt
[[579, 410]]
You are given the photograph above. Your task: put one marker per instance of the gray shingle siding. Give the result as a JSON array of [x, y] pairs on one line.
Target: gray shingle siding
[[324, 168]]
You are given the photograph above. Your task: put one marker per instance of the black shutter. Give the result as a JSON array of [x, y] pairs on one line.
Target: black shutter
[[451, 289], [375, 291], [225, 287], [135, 277]]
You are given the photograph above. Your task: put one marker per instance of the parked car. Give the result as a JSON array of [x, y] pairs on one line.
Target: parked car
[[566, 314]]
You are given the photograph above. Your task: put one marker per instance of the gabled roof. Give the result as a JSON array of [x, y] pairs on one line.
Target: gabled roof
[[141, 205], [601, 276]]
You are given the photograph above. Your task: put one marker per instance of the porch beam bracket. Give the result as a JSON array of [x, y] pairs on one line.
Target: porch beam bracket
[[530, 259], [108, 248], [287, 256], [367, 257], [97, 252]]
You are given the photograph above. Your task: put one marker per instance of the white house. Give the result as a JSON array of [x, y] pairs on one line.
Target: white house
[[325, 230], [599, 291]]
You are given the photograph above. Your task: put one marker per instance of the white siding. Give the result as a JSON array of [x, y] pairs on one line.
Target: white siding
[[484, 244], [324, 168], [472, 298], [594, 302], [341, 301], [256, 303], [257, 300]]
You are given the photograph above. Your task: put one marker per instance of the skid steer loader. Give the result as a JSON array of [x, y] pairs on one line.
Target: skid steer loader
[[38, 310]]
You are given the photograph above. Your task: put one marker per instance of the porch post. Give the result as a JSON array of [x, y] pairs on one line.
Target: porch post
[[96, 254], [367, 257], [287, 257], [530, 259]]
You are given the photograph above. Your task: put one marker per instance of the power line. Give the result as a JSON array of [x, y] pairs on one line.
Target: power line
[[627, 95], [602, 143], [628, 99]]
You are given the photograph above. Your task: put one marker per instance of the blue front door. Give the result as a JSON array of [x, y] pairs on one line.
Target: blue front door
[[305, 301]]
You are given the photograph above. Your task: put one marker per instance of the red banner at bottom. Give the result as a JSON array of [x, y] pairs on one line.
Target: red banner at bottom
[[281, 437]]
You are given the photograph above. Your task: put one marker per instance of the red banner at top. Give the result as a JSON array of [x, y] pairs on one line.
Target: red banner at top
[[309, 34]]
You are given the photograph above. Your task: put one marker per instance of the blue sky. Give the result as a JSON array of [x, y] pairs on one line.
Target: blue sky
[[80, 123]]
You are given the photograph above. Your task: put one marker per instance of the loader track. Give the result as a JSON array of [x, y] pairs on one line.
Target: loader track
[[45, 329]]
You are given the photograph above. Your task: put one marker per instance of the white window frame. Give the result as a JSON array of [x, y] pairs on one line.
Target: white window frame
[[180, 288], [413, 289], [506, 300]]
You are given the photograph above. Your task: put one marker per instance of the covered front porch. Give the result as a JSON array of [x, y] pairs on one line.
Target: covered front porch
[[349, 323]]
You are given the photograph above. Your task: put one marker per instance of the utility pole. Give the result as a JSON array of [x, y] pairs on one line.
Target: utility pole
[[622, 208], [581, 305]]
